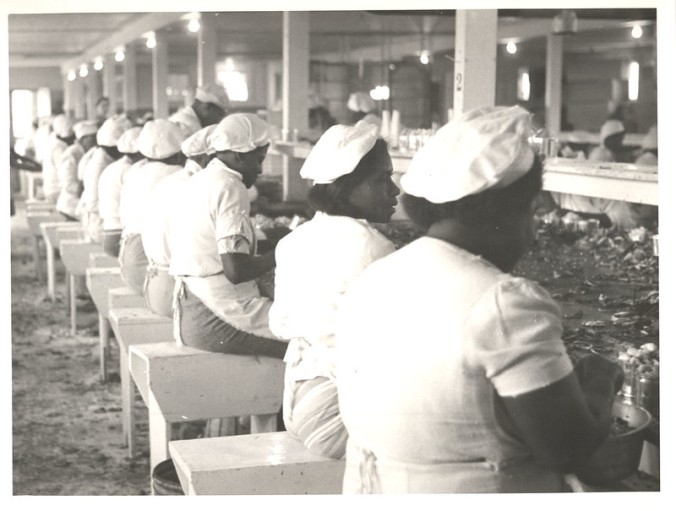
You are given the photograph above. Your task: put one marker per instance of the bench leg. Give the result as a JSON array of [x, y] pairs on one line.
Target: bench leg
[[104, 338], [51, 271], [73, 303], [127, 403], [159, 433], [36, 258], [263, 423]]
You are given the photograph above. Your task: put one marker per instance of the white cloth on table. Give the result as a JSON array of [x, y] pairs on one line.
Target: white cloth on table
[[66, 168], [110, 184], [139, 182], [89, 201], [316, 263], [214, 206], [187, 119], [425, 338]]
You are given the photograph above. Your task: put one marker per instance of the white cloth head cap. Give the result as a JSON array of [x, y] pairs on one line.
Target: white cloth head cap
[[650, 140], [361, 102], [611, 127], [484, 148], [196, 143], [213, 93], [111, 130], [160, 139], [240, 133], [338, 152], [84, 128], [62, 126], [128, 142]]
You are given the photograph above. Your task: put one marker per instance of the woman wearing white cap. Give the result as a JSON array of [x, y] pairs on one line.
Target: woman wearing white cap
[[62, 136], [158, 220], [217, 303], [68, 169], [612, 135], [452, 375], [105, 154], [160, 142], [648, 155], [110, 185], [352, 186], [362, 107], [209, 107]]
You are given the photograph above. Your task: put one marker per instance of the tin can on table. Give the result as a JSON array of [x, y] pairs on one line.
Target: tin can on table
[[583, 226], [569, 224], [648, 394], [593, 226], [656, 246]]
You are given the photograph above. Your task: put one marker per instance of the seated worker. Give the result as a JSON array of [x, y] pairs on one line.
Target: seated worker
[[104, 155], [157, 222], [209, 107], [160, 142], [611, 147], [217, 302], [110, 185], [351, 171], [62, 136], [68, 166], [648, 155], [452, 376], [363, 107]]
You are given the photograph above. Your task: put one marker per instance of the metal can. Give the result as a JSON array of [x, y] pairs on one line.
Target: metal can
[[583, 226], [648, 394], [593, 226], [656, 246], [569, 224]]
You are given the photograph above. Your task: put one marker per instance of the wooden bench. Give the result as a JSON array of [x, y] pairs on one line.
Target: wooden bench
[[103, 260], [75, 256], [34, 219], [52, 234], [99, 283], [180, 384], [263, 464], [133, 324]]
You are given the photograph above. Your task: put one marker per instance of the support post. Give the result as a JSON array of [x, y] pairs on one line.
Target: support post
[[160, 73], [93, 93], [109, 88], [207, 46], [554, 79], [129, 95]]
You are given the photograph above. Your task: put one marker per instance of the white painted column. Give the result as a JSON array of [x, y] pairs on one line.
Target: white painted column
[[295, 85], [160, 72], [475, 59], [93, 93], [129, 94], [553, 84], [67, 95], [207, 49], [79, 98], [109, 88]]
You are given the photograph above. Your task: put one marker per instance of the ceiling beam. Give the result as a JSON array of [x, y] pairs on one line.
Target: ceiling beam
[[130, 32]]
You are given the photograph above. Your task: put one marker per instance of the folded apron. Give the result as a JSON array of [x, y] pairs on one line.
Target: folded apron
[[158, 289], [133, 262]]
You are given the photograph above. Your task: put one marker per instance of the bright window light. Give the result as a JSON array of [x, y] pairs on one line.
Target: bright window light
[[511, 47], [633, 81], [22, 113], [523, 91], [44, 102], [636, 32], [84, 70], [98, 63], [235, 85]]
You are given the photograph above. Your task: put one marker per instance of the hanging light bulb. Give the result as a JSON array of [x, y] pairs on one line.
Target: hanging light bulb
[[633, 78], [636, 32], [119, 54], [84, 70], [98, 63], [194, 25], [71, 75], [425, 57], [511, 47], [151, 41]]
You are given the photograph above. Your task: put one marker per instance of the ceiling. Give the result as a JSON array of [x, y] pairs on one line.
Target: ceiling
[[59, 40]]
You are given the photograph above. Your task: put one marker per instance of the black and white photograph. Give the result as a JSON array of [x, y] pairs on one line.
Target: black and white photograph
[[303, 249]]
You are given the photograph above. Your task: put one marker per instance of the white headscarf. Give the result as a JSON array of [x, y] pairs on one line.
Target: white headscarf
[[213, 93], [483, 148], [62, 126], [240, 133], [196, 143], [111, 130], [160, 139], [611, 127], [361, 102], [650, 139], [84, 128], [128, 141], [338, 152]]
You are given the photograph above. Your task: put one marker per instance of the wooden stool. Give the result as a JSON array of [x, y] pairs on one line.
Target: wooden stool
[[35, 218], [75, 256], [33, 180], [133, 326], [52, 234], [264, 464], [180, 384]]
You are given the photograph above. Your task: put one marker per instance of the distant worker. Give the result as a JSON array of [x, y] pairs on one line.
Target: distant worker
[[62, 136], [363, 107], [209, 107], [110, 185], [649, 148], [102, 110], [611, 137]]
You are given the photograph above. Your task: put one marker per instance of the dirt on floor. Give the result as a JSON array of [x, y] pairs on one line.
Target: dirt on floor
[[67, 426]]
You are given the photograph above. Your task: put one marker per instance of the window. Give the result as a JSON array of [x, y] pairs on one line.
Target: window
[[22, 113]]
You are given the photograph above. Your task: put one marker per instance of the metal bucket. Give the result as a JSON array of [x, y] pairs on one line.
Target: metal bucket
[[165, 479], [619, 456]]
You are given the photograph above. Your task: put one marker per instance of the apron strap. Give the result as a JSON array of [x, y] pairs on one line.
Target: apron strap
[[368, 471], [179, 292]]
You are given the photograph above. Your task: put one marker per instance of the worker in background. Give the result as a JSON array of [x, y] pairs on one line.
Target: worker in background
[[102, 110], [209, 107], [62, 136], [41, 137], [648, 155], [110, 185], [217, 303], [363, 107], [160, 142], [68, 169], [611, 137], [105, 154], [157, 222], [351, 171], [575, 146]]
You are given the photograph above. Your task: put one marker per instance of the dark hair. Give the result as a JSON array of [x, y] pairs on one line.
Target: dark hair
[[334, 198], [496, 205]]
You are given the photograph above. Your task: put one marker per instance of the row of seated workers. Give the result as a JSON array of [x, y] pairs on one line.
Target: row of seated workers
[[429, 368]]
